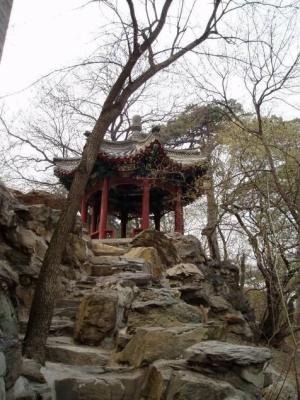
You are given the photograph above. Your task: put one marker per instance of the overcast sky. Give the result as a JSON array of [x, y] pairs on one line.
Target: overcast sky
[[44, 35]]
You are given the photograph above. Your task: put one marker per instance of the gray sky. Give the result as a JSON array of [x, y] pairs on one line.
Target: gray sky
[[46, 35]]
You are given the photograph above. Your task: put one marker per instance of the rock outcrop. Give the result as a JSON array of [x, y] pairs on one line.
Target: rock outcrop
[[153, 319]]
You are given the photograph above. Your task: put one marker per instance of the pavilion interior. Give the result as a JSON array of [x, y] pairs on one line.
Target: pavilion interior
[[125, 208]]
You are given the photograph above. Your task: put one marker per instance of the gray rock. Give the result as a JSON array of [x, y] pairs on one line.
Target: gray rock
[[102, 313], [222, 354], [140, 279], [72, 354], [11, 349], [164, 245], [279, 387], [188, 248], [172, 380], [109, 265], [2, 389], [96, 318], [161, 307], [2, 365], [22, 390], [105, 386], [188, 385], [31, 369], [153, 343], [218, 304]]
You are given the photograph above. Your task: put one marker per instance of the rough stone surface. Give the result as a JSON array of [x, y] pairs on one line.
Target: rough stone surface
[[189, 248], [153, 343], [22, 390], [190, 385], [173, 380], [102, 313], [96, 317], [184, 269], [2, 365], [160, 298], [102, 249], [109, 265], [161, 307], [109, 386], [150, 255], [164, 245], [279, 387], [76, 355], [32, 370], [224, 354], [11, 348], [40, 197]]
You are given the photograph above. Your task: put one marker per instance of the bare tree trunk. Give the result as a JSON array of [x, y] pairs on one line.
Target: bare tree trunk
[[296, 318], [47, 285], [242, 271], [210, 231]]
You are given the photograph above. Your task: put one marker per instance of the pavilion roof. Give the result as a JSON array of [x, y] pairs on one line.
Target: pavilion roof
[[129, 150]]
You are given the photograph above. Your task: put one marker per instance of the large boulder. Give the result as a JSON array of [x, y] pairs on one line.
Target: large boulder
[[153, 343], [102, 313], [189, 248], [109, 265], [172, 380], [40, 197], [164, 245], [102, 249], [223, 354], [161, 307], [105, 386], [150, 255], [247, 362], [96, 318], [188, 385], [183, 270], [11, 348], [71, 354]]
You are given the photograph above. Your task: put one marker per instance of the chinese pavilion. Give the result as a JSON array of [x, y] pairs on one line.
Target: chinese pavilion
[[139, 179]]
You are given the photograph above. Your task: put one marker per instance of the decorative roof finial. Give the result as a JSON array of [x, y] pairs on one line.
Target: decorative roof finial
[[136, 124]]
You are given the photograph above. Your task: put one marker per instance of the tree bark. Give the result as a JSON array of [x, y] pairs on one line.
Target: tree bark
[[47, 284], [210, 231]]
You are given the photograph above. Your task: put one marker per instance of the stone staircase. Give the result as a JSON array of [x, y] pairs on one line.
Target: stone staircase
[[148, 350]]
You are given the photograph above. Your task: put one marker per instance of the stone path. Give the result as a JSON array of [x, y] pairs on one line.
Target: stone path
[[140, 335]]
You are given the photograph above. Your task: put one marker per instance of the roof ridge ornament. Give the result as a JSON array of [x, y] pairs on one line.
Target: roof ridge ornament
[[136, 124]]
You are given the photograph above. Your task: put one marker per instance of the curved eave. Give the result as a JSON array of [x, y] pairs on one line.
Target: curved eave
[[177, 160]]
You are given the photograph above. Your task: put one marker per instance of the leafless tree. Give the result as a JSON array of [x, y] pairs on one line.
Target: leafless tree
[[266, 68]]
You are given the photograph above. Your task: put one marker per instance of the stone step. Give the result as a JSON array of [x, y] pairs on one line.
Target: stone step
[[110, 265], [65, 350], [66, 307], [59, 326], [88, 382], [115, 242], [102, 249]]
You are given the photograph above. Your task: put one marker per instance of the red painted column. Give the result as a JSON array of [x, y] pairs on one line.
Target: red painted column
[[179, 224], [104, 208], [146, 204], [83, 211]]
